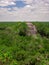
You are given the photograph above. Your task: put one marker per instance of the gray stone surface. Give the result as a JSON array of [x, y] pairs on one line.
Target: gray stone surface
[[31, 28]]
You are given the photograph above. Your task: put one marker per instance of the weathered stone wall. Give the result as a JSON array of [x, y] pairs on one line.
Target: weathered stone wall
[[31, 28]]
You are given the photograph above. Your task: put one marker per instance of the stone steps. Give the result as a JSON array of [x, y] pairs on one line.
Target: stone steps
[[32, 28]]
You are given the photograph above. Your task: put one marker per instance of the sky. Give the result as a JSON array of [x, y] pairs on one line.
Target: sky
[[24, 10]]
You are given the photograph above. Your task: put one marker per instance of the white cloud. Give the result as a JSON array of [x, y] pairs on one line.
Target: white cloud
[[28, 6], [12, 3], [28, 1], [35, 10], [6, 3]]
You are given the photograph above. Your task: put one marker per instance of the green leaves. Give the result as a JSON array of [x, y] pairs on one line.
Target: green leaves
[[16, 48], [43, 28]]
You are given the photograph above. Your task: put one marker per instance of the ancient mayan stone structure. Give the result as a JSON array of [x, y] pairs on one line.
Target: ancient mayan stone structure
[[31, 28]]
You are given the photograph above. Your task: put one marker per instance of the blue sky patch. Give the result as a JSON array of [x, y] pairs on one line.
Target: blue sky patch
[[20, 4]]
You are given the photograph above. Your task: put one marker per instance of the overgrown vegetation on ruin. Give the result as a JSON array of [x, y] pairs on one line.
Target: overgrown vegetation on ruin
[[17, 48]]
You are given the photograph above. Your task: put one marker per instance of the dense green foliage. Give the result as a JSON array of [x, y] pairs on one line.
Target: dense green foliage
[[43, 28], [16, 48]]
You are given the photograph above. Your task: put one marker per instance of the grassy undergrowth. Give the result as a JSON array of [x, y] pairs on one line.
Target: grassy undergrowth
[[42, 28], [16, 48]]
